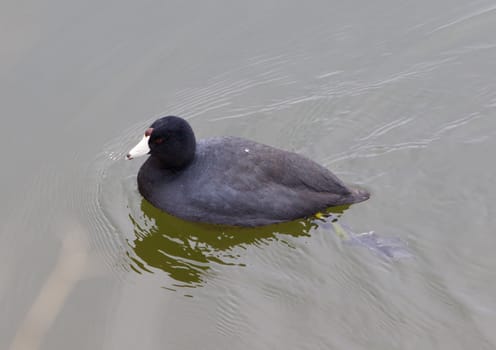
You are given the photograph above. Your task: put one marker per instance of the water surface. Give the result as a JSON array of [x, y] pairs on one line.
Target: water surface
[[399, 98]]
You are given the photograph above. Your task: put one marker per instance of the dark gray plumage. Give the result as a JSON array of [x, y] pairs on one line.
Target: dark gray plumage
[[234, 181]]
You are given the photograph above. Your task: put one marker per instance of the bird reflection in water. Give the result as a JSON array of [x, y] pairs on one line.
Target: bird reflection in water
[[186, 250]]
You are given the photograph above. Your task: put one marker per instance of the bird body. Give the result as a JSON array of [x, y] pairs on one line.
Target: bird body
[[234, 181]]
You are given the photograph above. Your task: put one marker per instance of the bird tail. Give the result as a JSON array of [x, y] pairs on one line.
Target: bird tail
[[359, 195]]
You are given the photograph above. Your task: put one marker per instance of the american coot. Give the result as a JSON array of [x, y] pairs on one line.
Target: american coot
[[230, 180]]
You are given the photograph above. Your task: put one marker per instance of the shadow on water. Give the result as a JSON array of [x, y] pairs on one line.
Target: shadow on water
[[186, 250]]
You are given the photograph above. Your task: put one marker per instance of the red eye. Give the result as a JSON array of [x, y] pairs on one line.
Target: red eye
[[158, 140]]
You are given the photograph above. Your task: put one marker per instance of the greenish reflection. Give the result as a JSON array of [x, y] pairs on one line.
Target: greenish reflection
[[185, 250]]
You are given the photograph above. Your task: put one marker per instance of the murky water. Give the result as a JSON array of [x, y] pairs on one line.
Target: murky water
[[399, 98]]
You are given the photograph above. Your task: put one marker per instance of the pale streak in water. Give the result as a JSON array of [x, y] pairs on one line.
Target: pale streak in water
[[68, 270]]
